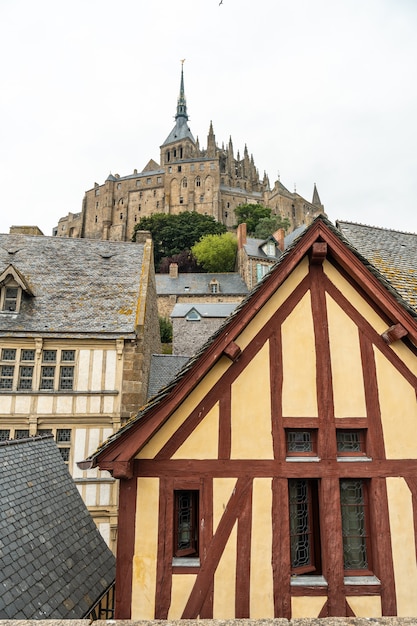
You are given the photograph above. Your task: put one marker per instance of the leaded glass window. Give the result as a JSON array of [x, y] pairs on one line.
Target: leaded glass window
[[21, 434], [63, 440], [47, 377], [27, 355], [301, 441], [8, 354], [6, 376], [4, 434], [304, 528], [25, 377], [66, 377], [354, 528], [186, 523], [350, 442]]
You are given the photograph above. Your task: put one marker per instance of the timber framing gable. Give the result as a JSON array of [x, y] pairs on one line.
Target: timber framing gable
[[320, 241]]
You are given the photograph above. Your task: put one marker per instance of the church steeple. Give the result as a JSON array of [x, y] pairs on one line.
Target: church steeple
[[180, 131], [181, 102]]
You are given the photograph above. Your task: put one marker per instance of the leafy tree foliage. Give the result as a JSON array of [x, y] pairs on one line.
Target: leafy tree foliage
[[216, 253], [269, 225], [251, 214], [185, 261], [173, 234], [165, 329]]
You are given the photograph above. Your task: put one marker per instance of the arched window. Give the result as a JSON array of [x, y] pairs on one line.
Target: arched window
[[184, 181], [198, 181]]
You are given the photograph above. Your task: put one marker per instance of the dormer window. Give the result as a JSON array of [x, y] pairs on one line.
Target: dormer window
[[214, 286], [270, 248], [193, 316], [12, 284]]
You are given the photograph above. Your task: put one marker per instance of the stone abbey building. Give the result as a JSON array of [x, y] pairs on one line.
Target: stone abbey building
[[212, 181]]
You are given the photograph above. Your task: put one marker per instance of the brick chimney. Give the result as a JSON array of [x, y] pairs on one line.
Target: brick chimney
[[173, 270], [279, 238], [241, 236]]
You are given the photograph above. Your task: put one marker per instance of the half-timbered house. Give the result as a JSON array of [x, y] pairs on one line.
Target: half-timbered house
[[276, 476]]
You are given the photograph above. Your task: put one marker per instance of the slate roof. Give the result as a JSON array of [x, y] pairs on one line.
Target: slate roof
[[199, 284], [392, 252], [54, 562], [81, 287], [164, 368], [205, 309]]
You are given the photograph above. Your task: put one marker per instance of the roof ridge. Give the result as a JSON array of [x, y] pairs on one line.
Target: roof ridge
[[385, 228]]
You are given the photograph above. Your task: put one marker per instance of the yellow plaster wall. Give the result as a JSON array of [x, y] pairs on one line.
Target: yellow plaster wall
[[398, 410], [222, 491], [354, 298], [146, 549], [180, 415], [348, 387], [261, 581], [270, 307], [405, 355], [251, 410], [203, 443], [182, 585], [365, 606], [403, 546], [306, 606], [299, 394], [225, 581]]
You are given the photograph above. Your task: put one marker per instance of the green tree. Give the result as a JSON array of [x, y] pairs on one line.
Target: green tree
[[173, 234], [165, 329], [269, 225], [216, 253], [251, 214]]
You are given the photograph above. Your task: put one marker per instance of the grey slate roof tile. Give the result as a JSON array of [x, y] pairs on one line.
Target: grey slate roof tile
[[205, 309], [164, 368], [52, 556], [100, 279], [198, 284], [392, 252]]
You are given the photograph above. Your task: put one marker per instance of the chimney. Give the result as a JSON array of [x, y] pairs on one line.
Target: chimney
[[142, 236], [173, 270], [241, 236], [279, 238]]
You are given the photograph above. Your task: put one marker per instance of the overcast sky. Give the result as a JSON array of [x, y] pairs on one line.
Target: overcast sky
[[321, 91]]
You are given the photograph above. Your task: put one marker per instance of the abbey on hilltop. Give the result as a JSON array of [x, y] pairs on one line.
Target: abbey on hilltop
[[212, 181]]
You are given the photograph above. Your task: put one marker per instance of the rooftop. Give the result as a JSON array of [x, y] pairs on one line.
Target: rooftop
[[81, 287], [54, 562], [392, 252]]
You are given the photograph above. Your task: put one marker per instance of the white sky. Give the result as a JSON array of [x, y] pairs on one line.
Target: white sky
[[323, 91]]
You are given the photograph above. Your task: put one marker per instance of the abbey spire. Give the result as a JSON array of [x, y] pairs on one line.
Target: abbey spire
[[181, 130], [182, 102]]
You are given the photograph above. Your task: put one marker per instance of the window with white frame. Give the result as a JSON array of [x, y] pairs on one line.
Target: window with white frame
[[57, 370], [17, 370], [63, 440]]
